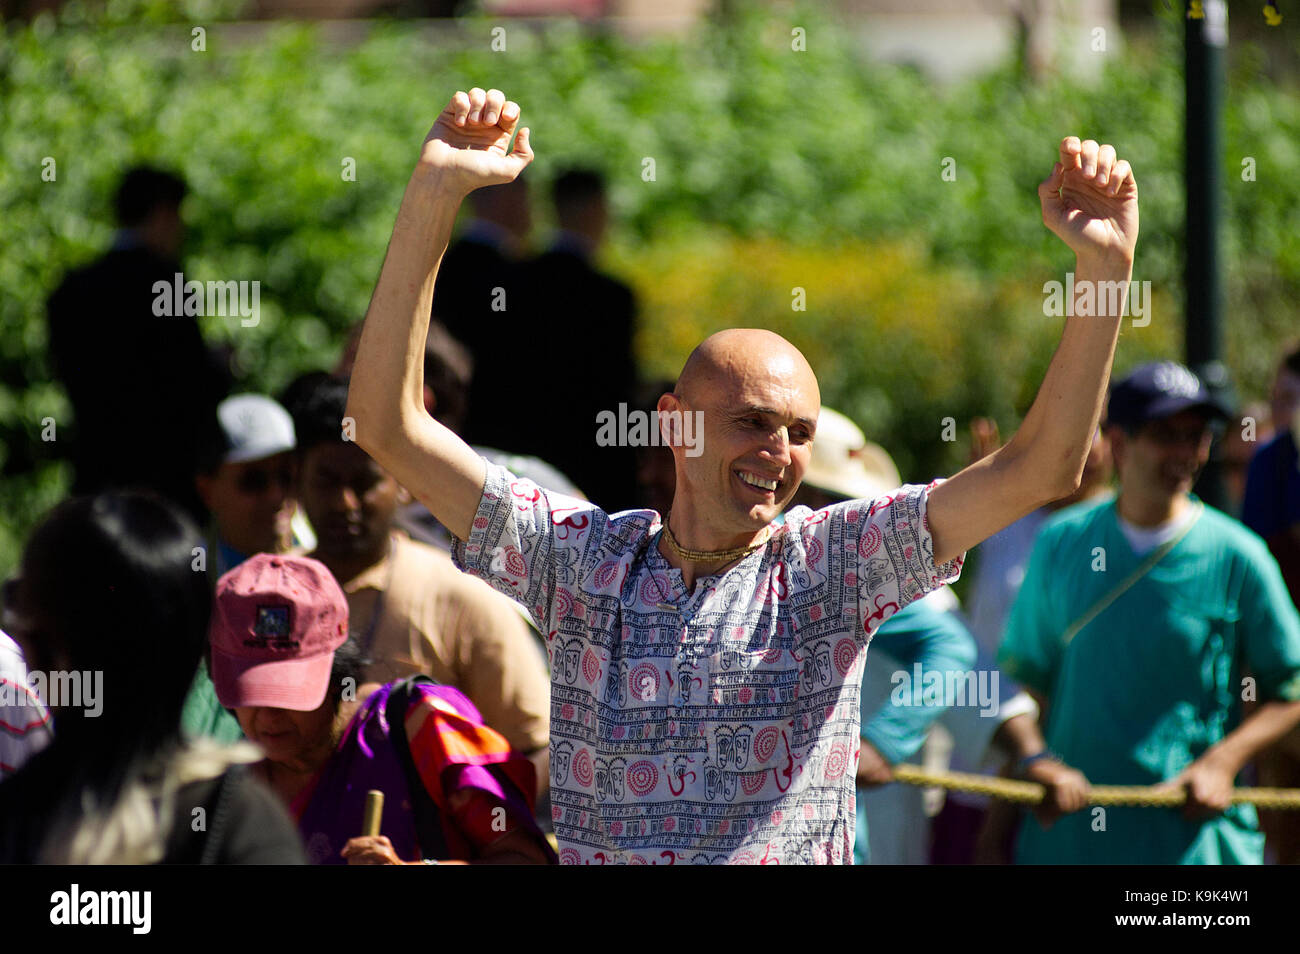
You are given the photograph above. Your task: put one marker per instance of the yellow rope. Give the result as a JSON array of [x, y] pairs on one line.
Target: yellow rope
[[1031, 793]]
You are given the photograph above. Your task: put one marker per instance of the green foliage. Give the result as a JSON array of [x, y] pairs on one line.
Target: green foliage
[[773, 169]]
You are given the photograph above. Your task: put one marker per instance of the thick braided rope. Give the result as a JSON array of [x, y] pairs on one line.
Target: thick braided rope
[[1031, 793]]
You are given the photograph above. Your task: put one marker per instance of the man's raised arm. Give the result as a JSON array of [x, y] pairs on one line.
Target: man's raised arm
[[468, 147], [1090, 202]]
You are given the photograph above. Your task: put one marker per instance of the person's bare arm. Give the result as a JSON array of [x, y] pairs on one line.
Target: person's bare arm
[[1090, 201], [1040, 700], [515, 848], [468, 147]]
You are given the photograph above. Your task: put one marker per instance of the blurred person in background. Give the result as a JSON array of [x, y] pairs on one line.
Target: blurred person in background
[[585, 322], [973, 828], [1136, 622], [412, 610], [1001, 559], [144, 388], [477, 291], [107, 592], [1250, 431], [24, 721], [1271, 507], [454, 789], [249, 493]]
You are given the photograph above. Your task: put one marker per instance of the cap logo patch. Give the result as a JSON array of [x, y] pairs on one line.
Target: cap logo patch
[[1176, 380], [272, 627]]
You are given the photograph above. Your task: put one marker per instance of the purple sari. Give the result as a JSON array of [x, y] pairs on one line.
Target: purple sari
[[369, 757]]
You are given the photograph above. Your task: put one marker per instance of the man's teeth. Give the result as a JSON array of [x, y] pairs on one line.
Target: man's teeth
[[759, 482]]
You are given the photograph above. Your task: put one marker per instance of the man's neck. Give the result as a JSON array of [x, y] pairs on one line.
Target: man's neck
[[1151, 512], [690, 569], [347, 566], [689, 536]]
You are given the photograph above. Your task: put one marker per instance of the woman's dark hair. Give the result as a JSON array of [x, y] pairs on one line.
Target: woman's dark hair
[[117, 587]]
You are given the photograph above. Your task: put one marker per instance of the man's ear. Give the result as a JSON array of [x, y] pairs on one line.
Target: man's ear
[[669, 419], [1118, 439]]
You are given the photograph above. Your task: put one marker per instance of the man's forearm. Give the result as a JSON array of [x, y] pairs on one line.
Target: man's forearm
[[1056, 434], [1020, 737], [388, 377], [386, 396], [1266, 725], [468, 148]]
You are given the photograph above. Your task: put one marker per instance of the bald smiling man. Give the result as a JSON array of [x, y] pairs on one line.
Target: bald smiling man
[[706, 669]]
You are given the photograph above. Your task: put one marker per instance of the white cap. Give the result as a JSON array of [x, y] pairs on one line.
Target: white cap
[[255, 427], [844, 462]]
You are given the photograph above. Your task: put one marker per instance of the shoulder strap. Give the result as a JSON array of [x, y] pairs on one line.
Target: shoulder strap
[[1143, 568], [428, 819]]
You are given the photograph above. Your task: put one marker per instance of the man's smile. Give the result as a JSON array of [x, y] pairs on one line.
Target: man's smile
[[759, 483]]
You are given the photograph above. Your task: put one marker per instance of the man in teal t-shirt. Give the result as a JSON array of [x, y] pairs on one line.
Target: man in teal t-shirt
[[1143, 622]]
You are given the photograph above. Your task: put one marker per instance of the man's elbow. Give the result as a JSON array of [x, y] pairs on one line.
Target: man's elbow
[[364, 422], [1058, 479], [1041, 480], [1069, 482]]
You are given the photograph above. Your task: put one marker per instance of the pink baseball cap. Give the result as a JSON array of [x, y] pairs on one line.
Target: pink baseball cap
[[275, 625]]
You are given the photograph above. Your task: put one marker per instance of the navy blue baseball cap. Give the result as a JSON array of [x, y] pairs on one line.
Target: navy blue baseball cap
[[1156, 390]]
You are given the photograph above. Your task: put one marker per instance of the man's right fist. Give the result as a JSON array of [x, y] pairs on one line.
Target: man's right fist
[[469, 145], [1065, 790]]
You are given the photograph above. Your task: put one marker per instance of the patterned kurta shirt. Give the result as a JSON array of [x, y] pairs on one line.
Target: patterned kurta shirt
[[715, 726]]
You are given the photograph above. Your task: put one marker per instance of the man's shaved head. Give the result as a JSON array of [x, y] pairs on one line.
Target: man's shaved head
[[758, 400], [726, 359]]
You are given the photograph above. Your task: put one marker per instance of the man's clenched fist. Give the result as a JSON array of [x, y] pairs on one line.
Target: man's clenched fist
[[1090, 200], [469, 145]]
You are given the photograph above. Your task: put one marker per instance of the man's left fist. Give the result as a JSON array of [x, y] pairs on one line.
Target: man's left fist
[[1090, 201]]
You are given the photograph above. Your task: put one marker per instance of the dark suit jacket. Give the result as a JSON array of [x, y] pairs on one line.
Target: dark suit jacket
[[584, 322], [144, 388]]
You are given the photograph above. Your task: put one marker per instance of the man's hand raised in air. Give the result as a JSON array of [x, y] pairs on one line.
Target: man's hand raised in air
[[1090, 202], [467, 148], [469, 144]]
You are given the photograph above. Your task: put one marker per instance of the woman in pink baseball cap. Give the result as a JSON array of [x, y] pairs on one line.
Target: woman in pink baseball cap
[[282, 660]]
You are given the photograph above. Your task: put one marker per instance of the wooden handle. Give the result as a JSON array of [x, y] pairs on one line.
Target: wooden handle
[[374, 812]]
